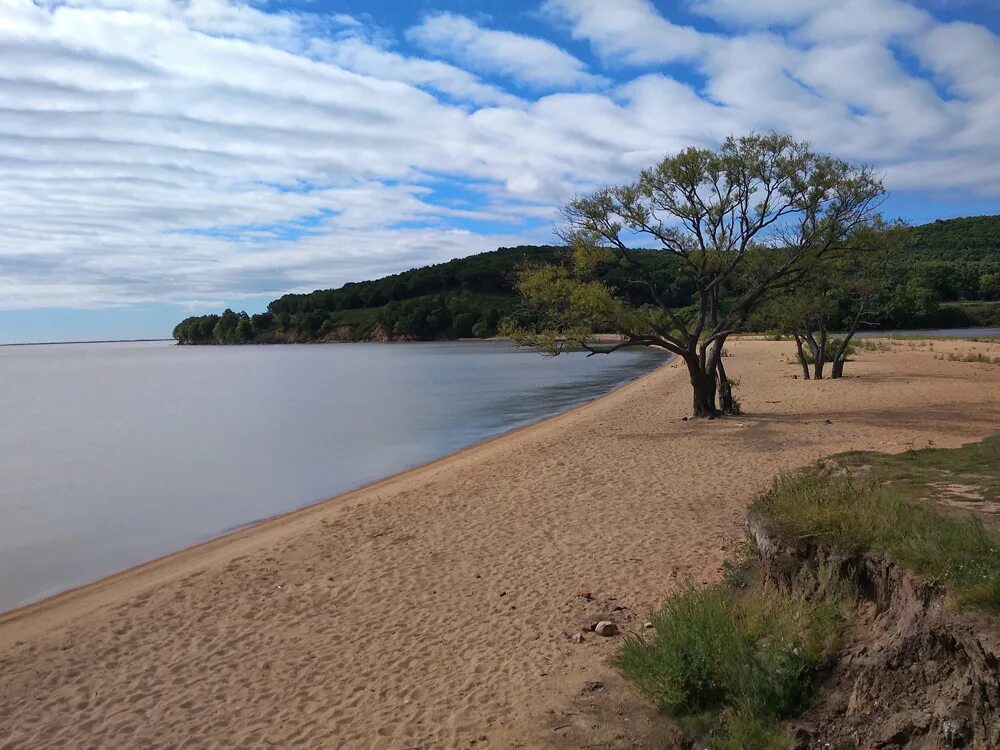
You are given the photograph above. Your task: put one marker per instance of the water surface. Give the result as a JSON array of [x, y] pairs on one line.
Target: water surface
[[113, 454], [949, 333]]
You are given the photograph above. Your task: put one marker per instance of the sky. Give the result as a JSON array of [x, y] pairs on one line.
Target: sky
[[160, 159]]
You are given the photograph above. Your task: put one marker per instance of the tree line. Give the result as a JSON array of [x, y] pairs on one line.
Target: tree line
[[947, 275]]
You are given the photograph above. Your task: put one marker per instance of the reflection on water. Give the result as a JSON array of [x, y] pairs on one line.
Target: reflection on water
[[112, 454]]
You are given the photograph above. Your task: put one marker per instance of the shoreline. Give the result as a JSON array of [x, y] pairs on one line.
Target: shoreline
[[437, 607], [9, 619]]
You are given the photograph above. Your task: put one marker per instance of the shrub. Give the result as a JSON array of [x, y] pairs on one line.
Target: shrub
[[829, 351], [715, 649]]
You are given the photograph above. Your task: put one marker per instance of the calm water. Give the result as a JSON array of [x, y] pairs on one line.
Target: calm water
[[113, 454], [953, 333]]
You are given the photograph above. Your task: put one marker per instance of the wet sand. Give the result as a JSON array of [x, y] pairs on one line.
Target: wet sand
[[437, 608]]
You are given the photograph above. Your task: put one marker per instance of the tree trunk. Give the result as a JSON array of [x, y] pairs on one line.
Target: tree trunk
[[725, 389], [841, 356], [703, 385], [820, 356], [802, 356]]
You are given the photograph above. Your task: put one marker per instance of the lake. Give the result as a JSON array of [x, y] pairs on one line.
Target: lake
[[114, 454], [951, 333]]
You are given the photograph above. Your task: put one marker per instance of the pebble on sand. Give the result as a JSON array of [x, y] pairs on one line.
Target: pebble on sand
[[606, 628]]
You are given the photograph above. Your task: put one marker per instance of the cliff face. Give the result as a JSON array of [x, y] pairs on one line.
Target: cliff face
[[912, 673]]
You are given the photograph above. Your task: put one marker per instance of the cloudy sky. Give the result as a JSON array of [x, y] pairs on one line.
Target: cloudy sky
[[161, 158]]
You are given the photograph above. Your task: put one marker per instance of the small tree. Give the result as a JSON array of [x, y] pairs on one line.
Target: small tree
[[747, 221], [844, 293], [244, 329]]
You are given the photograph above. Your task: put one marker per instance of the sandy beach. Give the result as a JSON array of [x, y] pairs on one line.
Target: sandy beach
[[436, 608]]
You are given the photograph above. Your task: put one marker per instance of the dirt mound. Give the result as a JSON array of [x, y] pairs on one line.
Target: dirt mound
[[912, 672]]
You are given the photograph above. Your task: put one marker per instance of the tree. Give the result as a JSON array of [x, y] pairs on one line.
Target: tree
[[844, 292], [225, 327], [244, 329], [463, 323], [989, 286], [747, 221]]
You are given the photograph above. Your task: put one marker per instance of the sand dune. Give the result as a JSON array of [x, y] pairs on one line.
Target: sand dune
[[435, 608]]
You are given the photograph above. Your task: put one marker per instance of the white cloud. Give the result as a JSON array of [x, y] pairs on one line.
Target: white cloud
[[629, 30], [530, 61], [362, 57], [966, 56], [156, 150], [760, 13], [819, 19], [849, 19]]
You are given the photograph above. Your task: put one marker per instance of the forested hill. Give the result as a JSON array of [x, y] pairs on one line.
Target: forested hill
[[950, 276], [460, 298]]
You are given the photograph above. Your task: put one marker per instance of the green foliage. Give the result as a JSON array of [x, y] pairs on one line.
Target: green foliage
[[844, 292], [949, 276], [832, 346], [947, 261], [463, 297], [892, 509], [744, 729], [749, 658], [944, 276], [967, 314], [989, 285]]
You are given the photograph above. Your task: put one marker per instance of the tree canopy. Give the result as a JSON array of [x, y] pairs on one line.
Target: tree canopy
[[755, 218]]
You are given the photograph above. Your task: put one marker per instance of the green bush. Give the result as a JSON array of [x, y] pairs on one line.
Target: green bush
[[715, 651], [829, 351]]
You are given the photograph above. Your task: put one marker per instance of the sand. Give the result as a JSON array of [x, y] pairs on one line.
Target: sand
[[437, 608]]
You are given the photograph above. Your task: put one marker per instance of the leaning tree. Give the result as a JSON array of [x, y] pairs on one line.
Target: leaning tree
[[743, 223]]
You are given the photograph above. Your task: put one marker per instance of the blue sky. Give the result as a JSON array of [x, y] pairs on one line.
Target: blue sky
[[162, 158]]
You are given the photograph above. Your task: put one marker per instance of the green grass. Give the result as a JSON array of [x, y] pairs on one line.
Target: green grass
[[740, 662], [892, 509], [743, 729], [917, 471]]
